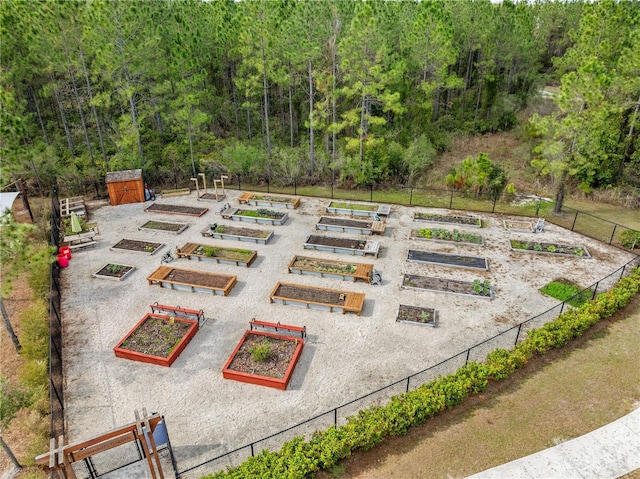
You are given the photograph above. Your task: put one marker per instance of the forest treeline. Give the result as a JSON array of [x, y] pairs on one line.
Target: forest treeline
[[295, 90]]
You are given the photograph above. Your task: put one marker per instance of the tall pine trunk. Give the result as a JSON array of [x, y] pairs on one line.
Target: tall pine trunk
[[312, 148]]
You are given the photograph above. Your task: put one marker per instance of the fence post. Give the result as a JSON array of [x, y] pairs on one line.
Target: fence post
[[575, 218], [335, 417], [622, 272], [268, 186], [407, 389], [239, 184], [252, 454], [451, 199], [411, 196], [371, 192], [595, 290], [538, 206], [518, 334], [613, 232], [295, 186], [495, 199], [561, 307], [467, 359]]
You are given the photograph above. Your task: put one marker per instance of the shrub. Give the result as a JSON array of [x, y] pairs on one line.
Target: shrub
[[630, 239], [261, 351]]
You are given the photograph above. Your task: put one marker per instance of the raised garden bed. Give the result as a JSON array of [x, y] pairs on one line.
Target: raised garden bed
[[445, 259], [139, 246], [248, 235], [345, 225], [157, 339], [329, 268], [265, 358], [519, 226], [190, 280], [176, 210], [342, 245], [357, 209], [550, 248], [324, 299], [440, 235], [477, 289], [176, 228], [417, 315], [260, 199], [217, 254], [260, 216], [466, 220], [114, 272]]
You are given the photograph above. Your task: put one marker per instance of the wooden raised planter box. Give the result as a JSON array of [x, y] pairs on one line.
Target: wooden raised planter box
[[342, 245], [175, 210], [114, 272], [124, 349], [417, 315], [345, 225], [323, 299], [476, 289], [178, 192], [216, 254], [194, 281], [440, 235], [444, 259], [236, 214], [357, 209], [247, 235], [519, 226], [163, 226], [466, 220], [260, 199], [329, 268], [555, 249], [242, 367], [137, 246]]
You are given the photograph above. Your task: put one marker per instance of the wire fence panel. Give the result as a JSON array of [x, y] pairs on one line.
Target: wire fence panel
[[505, 340], [540, 320], [305, 429], [375, 399], [449, 366], [230, 459], [594, 227], [116, 458]]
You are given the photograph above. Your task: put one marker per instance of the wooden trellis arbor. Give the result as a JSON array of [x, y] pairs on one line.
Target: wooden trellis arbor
[[61, 457]]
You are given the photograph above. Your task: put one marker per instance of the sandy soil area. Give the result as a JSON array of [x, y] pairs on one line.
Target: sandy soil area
[[345, 357]]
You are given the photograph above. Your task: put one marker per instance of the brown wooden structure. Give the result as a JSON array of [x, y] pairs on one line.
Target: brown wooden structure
[[352, 303], [189, 251], [125, 186], [362, 271], [162, 276], [60, 458]]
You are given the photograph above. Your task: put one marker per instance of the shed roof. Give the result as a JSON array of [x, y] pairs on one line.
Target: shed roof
[[124, 175]]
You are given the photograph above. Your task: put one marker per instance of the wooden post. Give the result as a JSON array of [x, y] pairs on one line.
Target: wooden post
[[195, 180], [215, 187], [143, 441], [204, 183], [222, 178]]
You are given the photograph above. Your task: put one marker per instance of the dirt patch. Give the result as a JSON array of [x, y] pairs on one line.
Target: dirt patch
[[156, 336], [176, 209], [336, 242], [197, 278], [335, 221], [277, 352], [134, 245], [310, 295]]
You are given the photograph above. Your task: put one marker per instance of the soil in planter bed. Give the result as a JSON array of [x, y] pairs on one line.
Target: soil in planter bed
[[325, 266], [559, 248], [122, 270], [156, 336], [135, 245], [161, 225], [439, 284], [224, 253], [460, 220], [310, 295], [197, 279], [185, 210], [232, 230], [275, 366], [415, 313], [440, 258], [335, 242], [328, 220]]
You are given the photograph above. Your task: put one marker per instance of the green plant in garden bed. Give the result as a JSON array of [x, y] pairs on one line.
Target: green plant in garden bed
[[219, 252], [260, 213], [630, 239], [446, 235], [300, 458], [274, 199], [353, 206], [261, 351], [566, 291]]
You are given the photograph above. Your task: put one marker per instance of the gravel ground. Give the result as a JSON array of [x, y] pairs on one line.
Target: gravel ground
[[345, 357]]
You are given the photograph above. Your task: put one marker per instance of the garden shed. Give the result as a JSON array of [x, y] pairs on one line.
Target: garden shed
[[125, 186]]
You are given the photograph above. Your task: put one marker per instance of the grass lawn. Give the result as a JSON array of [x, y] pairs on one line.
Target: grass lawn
[[564, 394], [565, 290]]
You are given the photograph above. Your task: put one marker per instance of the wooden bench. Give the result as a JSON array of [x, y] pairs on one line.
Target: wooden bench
[[244, 197], [193, 314], [253, 324], [80, 240]]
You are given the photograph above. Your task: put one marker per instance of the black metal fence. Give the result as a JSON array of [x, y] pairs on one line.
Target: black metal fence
[[339, 415], [517, 205], [56, 396]]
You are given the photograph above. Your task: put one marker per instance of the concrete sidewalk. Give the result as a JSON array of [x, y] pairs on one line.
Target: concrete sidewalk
[[609, 452]]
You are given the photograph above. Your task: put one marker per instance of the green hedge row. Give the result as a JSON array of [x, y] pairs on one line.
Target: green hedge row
[[299, 458]]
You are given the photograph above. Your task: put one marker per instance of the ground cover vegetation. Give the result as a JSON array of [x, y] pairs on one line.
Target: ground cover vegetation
[[371, 92]]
